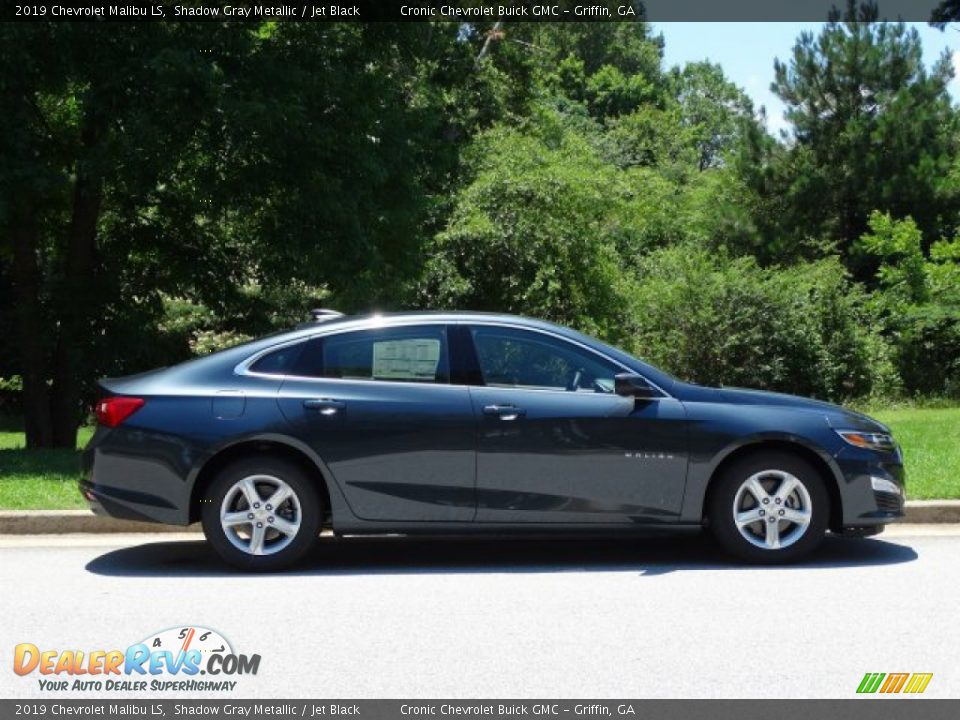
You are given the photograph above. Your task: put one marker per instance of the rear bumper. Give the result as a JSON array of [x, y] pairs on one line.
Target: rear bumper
[[121, 480], [100, 501]]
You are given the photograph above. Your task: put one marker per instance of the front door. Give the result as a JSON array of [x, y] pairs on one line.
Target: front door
[[377, 407], [557, 445]]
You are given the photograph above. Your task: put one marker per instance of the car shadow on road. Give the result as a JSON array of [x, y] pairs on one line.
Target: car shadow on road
[[657, 554]]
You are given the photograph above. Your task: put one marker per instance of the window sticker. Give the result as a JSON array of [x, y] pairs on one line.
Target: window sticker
[[412, 359]]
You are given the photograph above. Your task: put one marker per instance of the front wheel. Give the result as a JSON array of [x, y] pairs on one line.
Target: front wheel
[[262, 513], [769, 507]]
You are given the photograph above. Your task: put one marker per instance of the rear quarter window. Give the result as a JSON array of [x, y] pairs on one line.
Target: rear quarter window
[[278, 362]]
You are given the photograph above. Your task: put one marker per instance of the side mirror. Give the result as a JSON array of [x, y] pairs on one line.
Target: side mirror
[[635, 386]]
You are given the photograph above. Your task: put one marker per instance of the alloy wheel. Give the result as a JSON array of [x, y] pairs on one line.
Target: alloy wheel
[[772, 509], [260, 514]]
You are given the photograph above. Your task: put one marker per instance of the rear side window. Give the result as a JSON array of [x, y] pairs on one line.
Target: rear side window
[[408, 354], [278, 362]]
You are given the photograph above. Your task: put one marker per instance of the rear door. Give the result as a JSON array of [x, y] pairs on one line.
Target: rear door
[[377, 406], [557, 445]]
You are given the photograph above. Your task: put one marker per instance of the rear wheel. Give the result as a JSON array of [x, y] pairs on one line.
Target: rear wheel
[[769, 507], [262, 513]]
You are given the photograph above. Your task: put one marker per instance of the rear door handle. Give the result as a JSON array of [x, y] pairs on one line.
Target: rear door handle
[[325, 406], [504, 412]]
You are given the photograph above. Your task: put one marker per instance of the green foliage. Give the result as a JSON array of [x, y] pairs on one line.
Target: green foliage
[[612, 68], [650, 137], [187, 325], [920, 303], [903, 272], [536, 232], [205, 342], [715, 320], [152, 160], [714, 111], [872, 129], [14, 383]]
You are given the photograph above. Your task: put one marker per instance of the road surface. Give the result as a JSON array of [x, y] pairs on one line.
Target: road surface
[[665, 616]]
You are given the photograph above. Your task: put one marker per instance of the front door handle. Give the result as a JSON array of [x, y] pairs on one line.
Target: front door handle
[[326, 406], [504, 412]]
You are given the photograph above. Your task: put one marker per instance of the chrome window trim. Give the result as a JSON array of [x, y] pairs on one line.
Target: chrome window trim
[[243, 368]]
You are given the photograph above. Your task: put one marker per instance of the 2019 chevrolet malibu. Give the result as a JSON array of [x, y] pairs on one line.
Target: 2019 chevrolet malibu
[[467, 423]]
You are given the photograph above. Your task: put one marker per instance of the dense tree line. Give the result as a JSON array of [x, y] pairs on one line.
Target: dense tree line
[[169, 189]]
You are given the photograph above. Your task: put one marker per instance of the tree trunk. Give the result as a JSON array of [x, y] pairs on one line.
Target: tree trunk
[[31, 331], [496, 32], [75, 305]]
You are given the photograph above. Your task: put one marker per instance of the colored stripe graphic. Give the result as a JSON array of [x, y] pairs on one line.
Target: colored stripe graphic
[[918, 683], [894, 683], [870, 682]]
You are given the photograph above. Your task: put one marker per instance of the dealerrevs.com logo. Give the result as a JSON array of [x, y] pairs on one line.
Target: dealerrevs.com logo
[[172, 660], [894, 683]]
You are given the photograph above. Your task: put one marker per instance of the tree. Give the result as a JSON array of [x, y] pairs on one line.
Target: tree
[[919, 303], [712, 108], [610, 68], [537, 231], [872, 129], [186, 160], [91, 118]]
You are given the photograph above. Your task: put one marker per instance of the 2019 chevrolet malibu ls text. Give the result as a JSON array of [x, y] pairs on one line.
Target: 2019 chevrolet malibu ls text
[[444, 423]]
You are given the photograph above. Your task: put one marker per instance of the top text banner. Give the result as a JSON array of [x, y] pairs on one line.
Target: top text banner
[[462, 11]]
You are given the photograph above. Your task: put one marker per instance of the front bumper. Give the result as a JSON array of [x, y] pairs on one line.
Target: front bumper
[[865, 490]]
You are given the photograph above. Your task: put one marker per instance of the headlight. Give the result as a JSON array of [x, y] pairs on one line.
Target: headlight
[[869, 441]]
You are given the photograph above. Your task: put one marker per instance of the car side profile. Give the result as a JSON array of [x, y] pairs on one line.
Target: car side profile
[[441, 423]]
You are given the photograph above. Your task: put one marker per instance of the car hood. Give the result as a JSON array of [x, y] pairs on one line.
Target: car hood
[[836, 415]]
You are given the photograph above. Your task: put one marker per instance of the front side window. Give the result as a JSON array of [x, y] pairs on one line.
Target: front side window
[[524, 359], [407, 354]]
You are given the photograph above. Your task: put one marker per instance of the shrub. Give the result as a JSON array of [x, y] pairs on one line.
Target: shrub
[[919, 301], [715, 320]]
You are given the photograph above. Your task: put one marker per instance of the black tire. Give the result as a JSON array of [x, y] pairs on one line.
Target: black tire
[[305, 506], [722, 521]]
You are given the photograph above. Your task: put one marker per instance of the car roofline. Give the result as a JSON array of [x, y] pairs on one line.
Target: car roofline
[[662, 381]]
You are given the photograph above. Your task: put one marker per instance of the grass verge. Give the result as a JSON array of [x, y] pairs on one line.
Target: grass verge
[[930, 438], [39, 479]]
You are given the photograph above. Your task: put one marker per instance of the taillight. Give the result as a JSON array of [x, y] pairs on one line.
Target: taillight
[[112, 411]]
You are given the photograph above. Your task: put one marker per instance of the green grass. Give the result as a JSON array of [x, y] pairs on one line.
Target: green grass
[[930, 437], [39, 479]]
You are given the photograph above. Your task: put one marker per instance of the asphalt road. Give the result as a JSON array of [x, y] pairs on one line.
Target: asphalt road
[[658, 617]]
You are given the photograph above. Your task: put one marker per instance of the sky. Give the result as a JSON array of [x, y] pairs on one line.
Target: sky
[[747, 50]]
